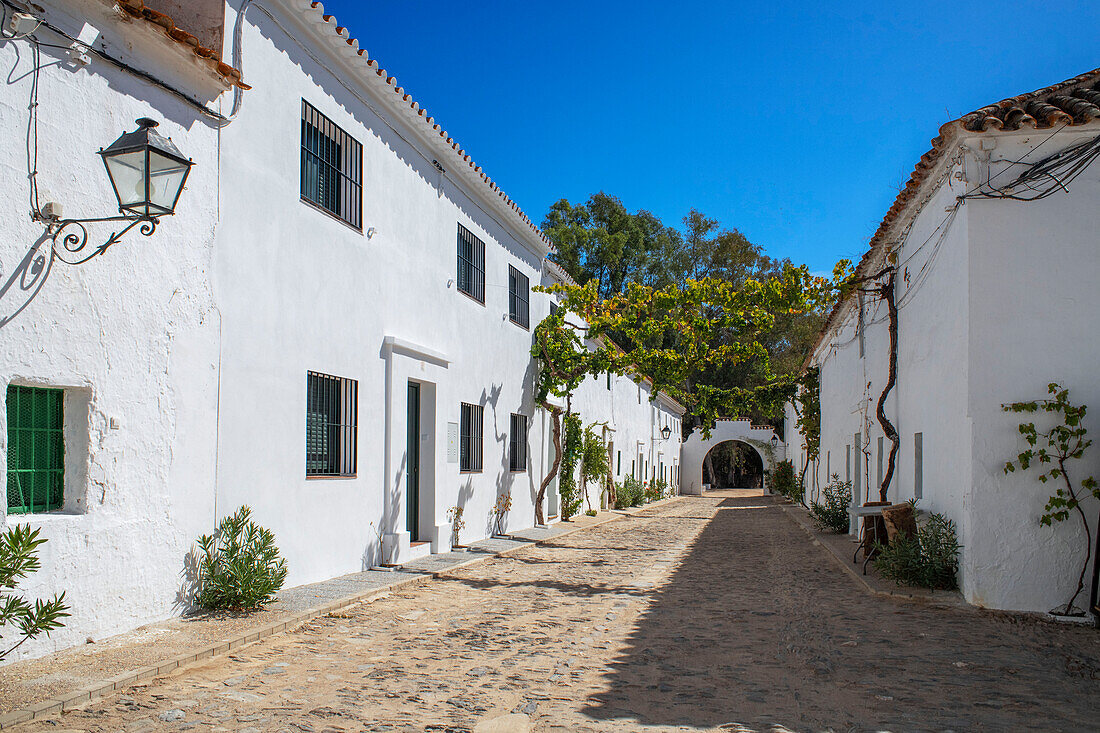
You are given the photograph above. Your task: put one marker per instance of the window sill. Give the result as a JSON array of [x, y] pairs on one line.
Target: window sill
[[316, 477], [44, 517], [479, 302], [524, 326], [480, 470], [329, 214]]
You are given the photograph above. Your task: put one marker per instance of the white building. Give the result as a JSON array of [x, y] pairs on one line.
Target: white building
[[335, 328], [996, 297]]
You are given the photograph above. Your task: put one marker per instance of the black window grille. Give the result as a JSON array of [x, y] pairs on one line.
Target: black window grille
[[332, 411], [517, 444], [519, 286], [471, 264], [332, 166], [469, 442], [553, 308]]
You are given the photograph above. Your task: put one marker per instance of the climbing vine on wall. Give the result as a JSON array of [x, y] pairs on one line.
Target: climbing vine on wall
[[594, 459], [572, 452], [809, 417], [1050, 451]]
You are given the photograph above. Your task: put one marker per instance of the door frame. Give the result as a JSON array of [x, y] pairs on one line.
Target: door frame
[[413, 456]]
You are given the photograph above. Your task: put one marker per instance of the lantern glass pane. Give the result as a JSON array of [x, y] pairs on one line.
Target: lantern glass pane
[[166, 177], [127, 172]]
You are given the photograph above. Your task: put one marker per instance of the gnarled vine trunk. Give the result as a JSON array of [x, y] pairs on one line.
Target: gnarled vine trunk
[[887, 293], [1088, 537], [555, 416]]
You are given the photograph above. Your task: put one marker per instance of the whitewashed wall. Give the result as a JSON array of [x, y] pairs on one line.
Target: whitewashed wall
[[1034, 269], [303, 291], [696, 448], [185, 355], [131, 336], [634, 422], [984, 310]]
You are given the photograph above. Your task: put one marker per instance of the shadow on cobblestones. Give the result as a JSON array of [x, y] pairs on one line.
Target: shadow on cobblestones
[[584, 590], [757, 629]]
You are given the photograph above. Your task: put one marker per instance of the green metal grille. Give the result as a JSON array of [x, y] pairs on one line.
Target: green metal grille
[[36, 449]]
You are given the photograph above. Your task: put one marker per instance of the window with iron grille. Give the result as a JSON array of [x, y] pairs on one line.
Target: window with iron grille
[[471, 264], [36, 449], [332, 411], [517, 444], [519, 286], [469, 441], [332, 167]]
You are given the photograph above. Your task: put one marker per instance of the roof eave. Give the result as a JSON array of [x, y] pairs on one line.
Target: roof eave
[[335, 41]]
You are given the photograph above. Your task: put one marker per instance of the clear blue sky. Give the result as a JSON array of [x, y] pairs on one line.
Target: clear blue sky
[[793, 121]]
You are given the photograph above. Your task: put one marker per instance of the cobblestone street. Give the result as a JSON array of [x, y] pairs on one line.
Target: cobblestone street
[[704, 613]]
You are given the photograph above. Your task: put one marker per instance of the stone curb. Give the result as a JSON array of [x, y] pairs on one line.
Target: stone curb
[[76, 698], [795, 516]]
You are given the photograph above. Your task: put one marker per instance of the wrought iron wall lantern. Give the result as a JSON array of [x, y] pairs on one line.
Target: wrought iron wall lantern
[[775, 441], [147, 172], [666, 432]]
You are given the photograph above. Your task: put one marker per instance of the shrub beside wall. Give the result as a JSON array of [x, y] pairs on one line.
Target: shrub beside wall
[[831, 514], [240, 568]]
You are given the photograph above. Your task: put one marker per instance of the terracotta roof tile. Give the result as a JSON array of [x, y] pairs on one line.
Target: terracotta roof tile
[[1072, 102], [137, 9]]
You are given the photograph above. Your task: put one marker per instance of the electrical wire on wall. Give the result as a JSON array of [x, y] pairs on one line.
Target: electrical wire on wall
[[1056, 171], [30, 36]]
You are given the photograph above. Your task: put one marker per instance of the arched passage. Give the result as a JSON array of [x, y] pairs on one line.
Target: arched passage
[[696, 448], [733, 464]]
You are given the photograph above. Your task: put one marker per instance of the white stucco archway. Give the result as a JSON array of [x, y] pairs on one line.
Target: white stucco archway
[[695, 449]]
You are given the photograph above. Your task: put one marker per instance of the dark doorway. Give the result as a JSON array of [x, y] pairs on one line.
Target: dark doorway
[[733, 465], [412, 510]]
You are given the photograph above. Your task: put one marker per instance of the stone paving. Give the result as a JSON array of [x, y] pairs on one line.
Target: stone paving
[[706, 613]]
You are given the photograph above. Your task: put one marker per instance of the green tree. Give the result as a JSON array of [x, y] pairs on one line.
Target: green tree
[[677, 335], [564, 362], [600, 240]]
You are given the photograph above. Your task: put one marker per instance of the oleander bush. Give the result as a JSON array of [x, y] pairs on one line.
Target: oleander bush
[[18, 559], [832, 512], [928, 560], [785, 483], [629, 493], [240, 568], [654, 490]]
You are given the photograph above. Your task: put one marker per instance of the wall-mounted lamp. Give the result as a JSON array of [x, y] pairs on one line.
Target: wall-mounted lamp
[[371, 231], [147, 172], [775, 441], [666, 432]]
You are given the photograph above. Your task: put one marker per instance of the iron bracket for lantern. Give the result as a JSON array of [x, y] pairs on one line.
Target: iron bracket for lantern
[[70, 246], [147, 173]]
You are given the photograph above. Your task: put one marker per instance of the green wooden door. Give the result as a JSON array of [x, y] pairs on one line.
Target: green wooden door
[[412, 510]]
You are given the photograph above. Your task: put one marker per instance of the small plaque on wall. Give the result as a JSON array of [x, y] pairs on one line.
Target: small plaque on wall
[[452, 442]]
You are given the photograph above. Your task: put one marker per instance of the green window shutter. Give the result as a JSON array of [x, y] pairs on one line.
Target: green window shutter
[[36, 449]]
